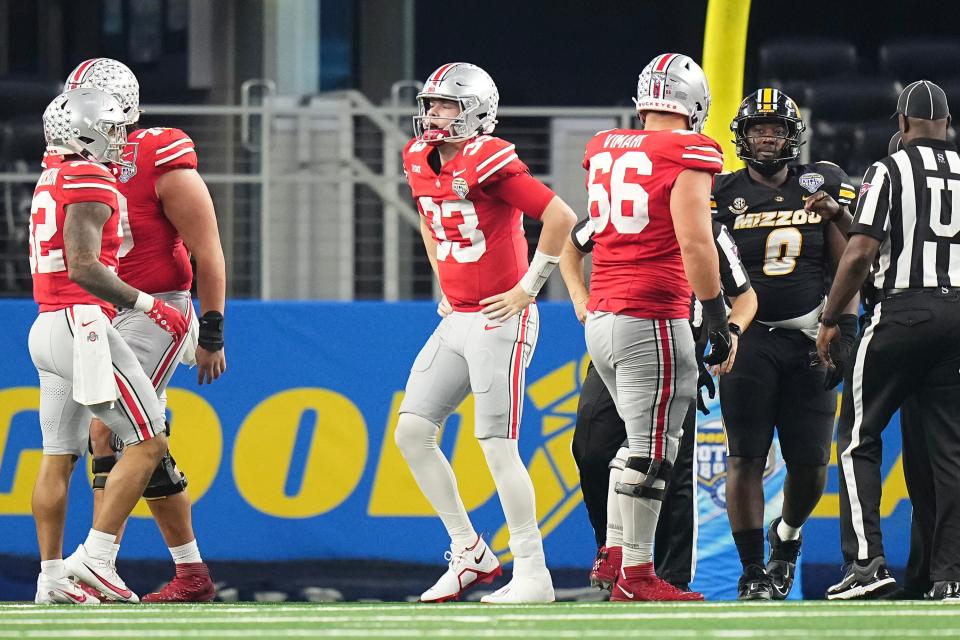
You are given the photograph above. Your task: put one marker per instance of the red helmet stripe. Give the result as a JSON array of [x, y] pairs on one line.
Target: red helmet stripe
[[442, 71], [664, 61], [77, 76]]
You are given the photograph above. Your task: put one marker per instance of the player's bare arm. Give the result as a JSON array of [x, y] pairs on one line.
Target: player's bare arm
[[82, 233], [851, 274], [741, 314], [558, 219], [823, 204], [690, 209], [187, 204], [571, 270]]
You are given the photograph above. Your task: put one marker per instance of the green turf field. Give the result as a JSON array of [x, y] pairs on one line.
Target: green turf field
[[562, 620]]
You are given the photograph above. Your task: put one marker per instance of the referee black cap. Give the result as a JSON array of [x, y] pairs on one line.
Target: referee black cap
[[923, 100], [894, 145]]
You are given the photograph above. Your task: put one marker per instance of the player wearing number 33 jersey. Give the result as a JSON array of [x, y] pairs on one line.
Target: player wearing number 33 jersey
[[649, 194], [471, 189]]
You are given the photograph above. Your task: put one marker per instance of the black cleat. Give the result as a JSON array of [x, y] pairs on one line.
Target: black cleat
[[945, 591], [863, 582], [754, 584], [782, 567]]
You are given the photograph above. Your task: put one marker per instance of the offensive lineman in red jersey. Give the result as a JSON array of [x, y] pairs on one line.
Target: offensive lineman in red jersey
[[84, 365], [169, 216], [471, 188], [649, 197]]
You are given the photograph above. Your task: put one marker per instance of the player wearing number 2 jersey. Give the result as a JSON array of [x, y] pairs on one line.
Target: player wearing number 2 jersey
[[470, 189], [780, 216], [84, 365], [168, 216], [649, 193]]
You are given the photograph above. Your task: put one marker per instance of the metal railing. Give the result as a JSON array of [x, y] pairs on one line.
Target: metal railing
[[310, 196]]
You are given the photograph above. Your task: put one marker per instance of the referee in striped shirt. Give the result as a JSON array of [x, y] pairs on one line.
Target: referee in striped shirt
[[905, 244]]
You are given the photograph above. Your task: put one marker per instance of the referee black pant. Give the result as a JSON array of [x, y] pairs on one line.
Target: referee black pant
[[910, 346], [598, 436], [918, 474]]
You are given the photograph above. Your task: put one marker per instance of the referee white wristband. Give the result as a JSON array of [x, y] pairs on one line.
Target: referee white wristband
[[540, 269], [144, 302]]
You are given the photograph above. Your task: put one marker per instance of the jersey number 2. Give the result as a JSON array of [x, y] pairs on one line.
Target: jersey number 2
[[615, 198]]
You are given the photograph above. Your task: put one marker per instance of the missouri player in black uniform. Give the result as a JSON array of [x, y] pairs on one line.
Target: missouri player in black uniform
[[780, 216]]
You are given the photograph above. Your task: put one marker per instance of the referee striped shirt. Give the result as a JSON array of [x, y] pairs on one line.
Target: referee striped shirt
[[910, 202]]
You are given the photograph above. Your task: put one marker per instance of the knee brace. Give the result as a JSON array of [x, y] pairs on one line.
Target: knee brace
[[652, 471], [101, 469], [166, 480], [620, 459]]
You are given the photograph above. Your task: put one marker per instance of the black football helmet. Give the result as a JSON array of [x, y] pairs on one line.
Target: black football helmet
[[768, 105]]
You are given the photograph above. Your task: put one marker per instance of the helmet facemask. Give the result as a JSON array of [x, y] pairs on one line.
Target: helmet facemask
[[463, 126]]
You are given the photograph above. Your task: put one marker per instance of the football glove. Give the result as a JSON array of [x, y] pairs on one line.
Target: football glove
[[841, 350], [704, 380], [715, 320], [168, 318]]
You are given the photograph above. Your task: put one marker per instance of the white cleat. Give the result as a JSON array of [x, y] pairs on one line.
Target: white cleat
[[100, 574], [523, 590], [468, 567], [60, 591]]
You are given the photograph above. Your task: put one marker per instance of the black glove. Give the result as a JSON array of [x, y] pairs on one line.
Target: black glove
[[715, 321], [840, 350], [705, 380], [211, 331]]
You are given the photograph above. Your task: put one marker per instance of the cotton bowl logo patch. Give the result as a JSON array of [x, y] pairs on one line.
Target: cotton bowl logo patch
[[129, 155], [460, 187], [811, 181], [739, 206]]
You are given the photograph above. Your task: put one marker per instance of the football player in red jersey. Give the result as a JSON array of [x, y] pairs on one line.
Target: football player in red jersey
[[168, 216], [84, 365], [470, 188], [649, 198]]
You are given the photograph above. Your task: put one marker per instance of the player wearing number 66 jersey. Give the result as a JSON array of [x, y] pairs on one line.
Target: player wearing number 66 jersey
[[649, 194], [470, 189], [780, 216]]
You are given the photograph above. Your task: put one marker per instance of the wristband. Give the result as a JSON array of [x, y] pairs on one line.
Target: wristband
[[211, 331], [714, 312], [536, 276], [828, 322], [144, 302], [735, 329]]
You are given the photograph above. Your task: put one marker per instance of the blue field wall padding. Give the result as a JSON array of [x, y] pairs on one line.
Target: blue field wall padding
[[291, 454]]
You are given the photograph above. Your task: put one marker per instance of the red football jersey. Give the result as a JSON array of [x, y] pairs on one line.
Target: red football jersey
[[481, 250], [65, 182], [152, 258], [637, 268]]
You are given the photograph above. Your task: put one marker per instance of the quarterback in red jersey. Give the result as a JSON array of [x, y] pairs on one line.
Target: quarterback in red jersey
[[168, 215], [649, 200], [471, 190], [84, 365]]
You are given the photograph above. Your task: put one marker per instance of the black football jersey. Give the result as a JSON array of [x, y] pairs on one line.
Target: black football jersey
[[782, 246]]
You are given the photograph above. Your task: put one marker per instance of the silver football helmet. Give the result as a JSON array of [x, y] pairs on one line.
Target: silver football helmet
[[472, 88], [88, 122], [674, 83], [111, 76]]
